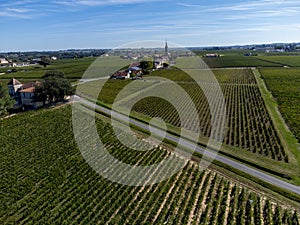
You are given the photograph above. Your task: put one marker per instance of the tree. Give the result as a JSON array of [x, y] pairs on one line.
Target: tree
[[44, 61], [55, 86], [146, 66], [6, 102], [40, 94], [165, 65]]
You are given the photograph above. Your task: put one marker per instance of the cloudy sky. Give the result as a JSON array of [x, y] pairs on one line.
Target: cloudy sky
[[63, 24]]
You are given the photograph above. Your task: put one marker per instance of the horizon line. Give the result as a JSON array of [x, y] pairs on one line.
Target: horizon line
[[204, 46]]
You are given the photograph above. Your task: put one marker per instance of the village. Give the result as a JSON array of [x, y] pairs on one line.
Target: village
[[143, 62], [140, 66]]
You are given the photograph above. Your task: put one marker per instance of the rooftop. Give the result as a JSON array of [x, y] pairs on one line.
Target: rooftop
[[14, 81], [28, 90], [30, 84]]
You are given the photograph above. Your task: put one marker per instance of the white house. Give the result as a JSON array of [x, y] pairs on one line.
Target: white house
[[212, 55], [13, 86], [19, 64], [23, 93], [3, 61]]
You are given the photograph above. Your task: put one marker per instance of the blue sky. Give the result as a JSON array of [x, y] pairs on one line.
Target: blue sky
[[63, 24]]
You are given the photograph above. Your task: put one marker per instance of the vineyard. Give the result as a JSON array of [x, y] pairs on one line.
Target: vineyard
[[46, 181], [238, 61], [249, 125], [293, 61], [284, 85]]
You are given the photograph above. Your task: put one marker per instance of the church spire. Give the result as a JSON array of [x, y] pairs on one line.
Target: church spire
[[166, 49]]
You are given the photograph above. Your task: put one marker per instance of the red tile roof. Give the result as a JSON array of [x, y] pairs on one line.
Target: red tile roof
[[28, 90], [30, 84]]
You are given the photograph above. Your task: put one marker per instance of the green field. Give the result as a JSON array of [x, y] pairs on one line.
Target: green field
[[110, 90], [73, 69], [250, 134], [258, 134], [293, 61], [237, 61], [46, 181], [248, 122], [225, 76], [284, 85]]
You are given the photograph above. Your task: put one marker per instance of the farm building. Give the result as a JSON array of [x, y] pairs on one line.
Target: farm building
[[121, 75], [214, 55], [126, 74], [3, 61], [161, 63], [135, 71]]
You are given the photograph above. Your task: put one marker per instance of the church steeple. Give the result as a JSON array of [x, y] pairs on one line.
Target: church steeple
[[166, 49]]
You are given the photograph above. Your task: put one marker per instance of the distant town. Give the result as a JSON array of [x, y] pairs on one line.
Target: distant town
[[21, 59]]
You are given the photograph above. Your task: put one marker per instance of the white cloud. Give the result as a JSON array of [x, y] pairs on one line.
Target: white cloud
[[18, 10], [254, 5], [101, 2], [186, 5], [14, 15], [25, 9], [18, 3], [264, 13]]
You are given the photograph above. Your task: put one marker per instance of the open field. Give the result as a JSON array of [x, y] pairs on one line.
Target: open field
[[294, 53], [46, 181], [293, 61], [237, 61], [73, 68], [284, 85], [110, 89]]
